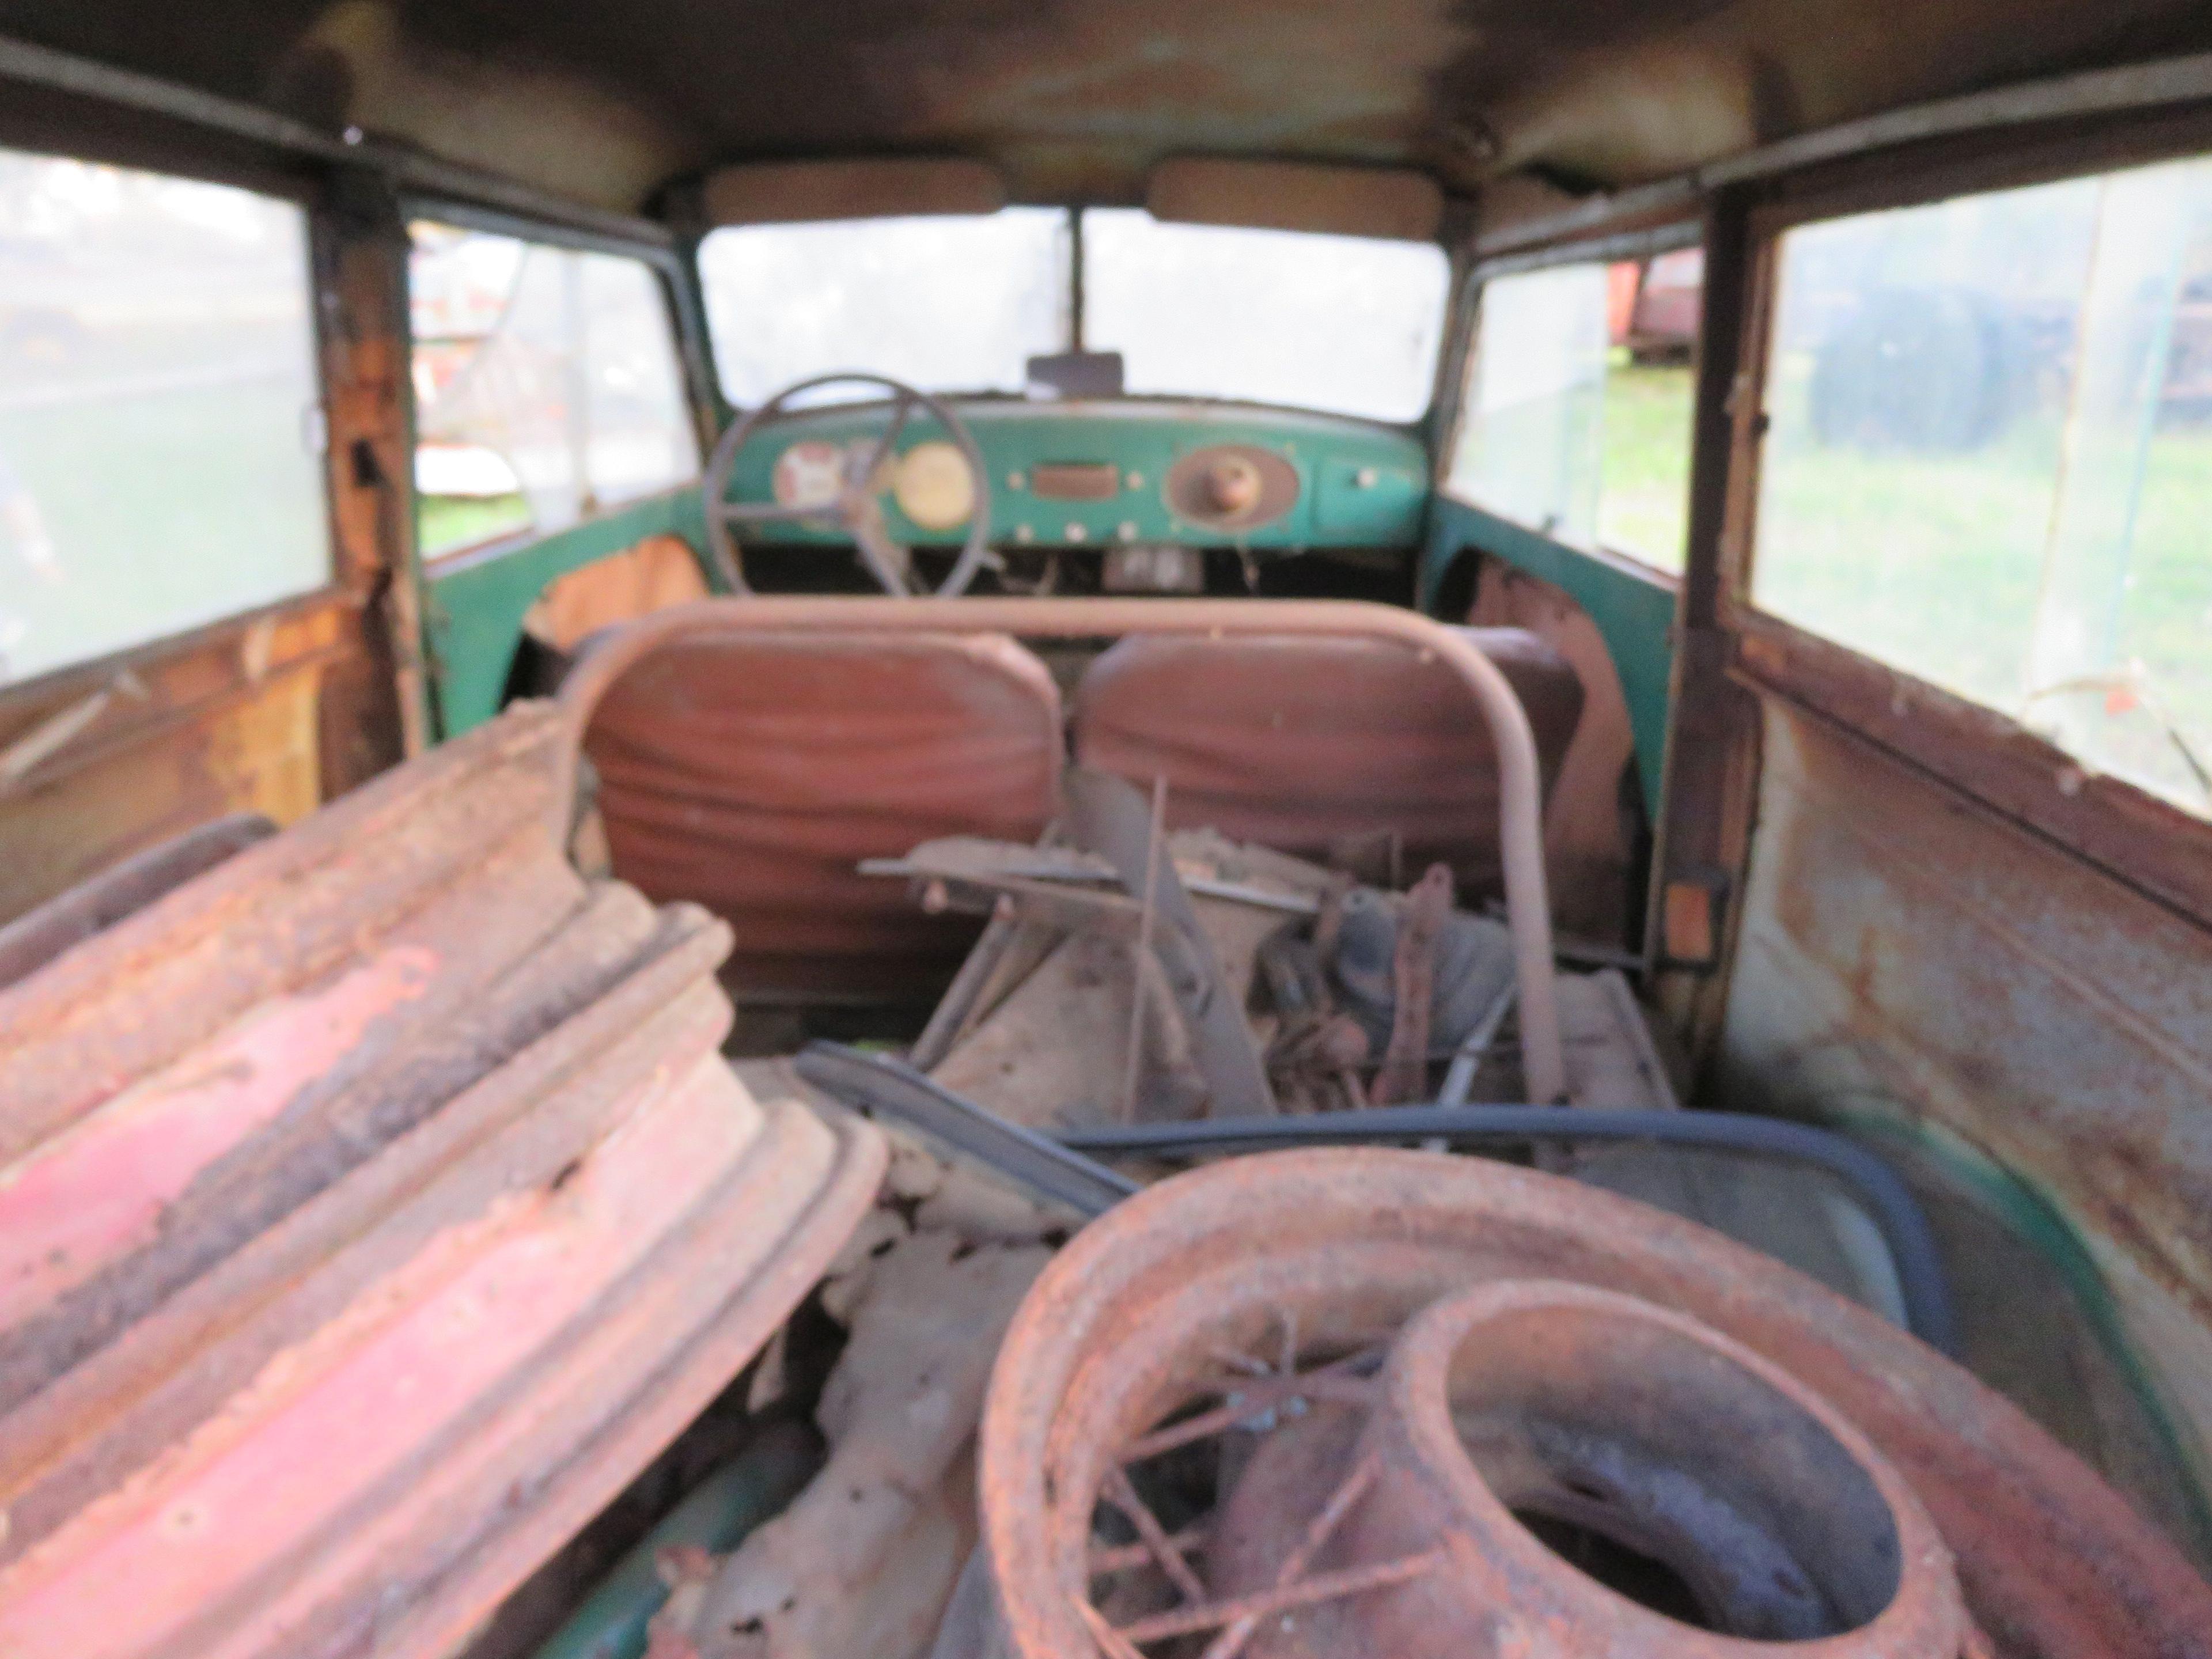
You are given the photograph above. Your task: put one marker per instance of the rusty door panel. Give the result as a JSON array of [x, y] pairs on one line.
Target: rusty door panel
[[374, 1207], [101, 762], [1906, 951]]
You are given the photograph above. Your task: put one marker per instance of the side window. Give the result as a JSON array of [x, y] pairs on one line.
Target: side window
[[1578, 408], [161, 438], [1988, 458], [546, 387]]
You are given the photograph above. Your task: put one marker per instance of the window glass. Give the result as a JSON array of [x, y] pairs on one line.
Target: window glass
[[546, 387], [953, 303], [160, 438], [1577, 413], [1988, 459], [1348, 324]]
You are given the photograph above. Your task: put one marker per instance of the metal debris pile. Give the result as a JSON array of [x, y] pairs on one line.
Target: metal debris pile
[[1330, 1403], [373, 1204], [1140, 974]]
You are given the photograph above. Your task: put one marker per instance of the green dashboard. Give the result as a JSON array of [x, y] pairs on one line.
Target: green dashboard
[[1095, 474]]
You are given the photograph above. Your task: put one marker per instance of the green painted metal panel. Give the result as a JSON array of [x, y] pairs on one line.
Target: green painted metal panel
[[477, 601], [1634, 610], [1360, 485]]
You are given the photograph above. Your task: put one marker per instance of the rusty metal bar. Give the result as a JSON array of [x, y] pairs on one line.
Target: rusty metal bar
[[1321, 1586], [1521, 836]]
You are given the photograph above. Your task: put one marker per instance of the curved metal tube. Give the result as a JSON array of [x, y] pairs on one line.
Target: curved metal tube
[[1519, 796], [1920, 1281]]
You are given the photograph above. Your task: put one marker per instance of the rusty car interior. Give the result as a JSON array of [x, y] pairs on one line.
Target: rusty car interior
[[1257, 828]]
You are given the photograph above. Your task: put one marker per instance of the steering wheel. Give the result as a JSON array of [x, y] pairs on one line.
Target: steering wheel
[[856, 505]]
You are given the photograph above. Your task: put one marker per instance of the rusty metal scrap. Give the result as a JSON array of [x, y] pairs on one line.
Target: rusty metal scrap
[[1339, 1403], [1405, 1073], [374, 1206], [34, 939]]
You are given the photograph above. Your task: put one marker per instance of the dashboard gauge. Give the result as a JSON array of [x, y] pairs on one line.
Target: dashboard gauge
[[933, 486], [1231, 487], [809, 474]]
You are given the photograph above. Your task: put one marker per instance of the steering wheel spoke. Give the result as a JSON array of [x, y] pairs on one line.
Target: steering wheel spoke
[[776, 511], [901, 411], [856, 505]]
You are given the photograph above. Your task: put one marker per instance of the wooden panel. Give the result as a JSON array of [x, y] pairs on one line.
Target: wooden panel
[[98, 763]]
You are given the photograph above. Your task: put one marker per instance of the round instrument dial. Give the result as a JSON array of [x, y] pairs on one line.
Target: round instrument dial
[[1231, 487], [933, 486], [809, 474]]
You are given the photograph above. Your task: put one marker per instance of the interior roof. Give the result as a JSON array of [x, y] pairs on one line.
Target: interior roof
[[605, 104]]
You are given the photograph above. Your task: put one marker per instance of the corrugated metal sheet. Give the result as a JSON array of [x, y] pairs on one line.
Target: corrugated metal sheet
[[374, 1207]]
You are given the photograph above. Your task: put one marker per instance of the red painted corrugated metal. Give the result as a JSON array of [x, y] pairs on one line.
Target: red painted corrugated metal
[[375, 1206]]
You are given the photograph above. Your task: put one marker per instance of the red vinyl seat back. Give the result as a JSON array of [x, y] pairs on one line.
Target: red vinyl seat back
[[751, 774], [1306, 743]]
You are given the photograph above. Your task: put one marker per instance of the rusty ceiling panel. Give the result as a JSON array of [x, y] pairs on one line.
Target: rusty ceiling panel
[[1390, 1350], [374, 1207], [1077, 101]]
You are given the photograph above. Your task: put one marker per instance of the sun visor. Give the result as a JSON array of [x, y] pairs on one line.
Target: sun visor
[[780, 192], [1395, 203]]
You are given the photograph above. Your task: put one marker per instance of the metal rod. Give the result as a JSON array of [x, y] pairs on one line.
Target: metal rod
[[1520, 834], [1123, 1496], [1321, 1586], [1349, 1491], [1155, 835], [1120, 1558]]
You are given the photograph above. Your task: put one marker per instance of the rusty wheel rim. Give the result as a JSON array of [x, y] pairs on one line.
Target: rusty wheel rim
[[1326, 1257]]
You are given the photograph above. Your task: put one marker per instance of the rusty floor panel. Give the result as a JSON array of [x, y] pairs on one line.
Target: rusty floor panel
[[372, 1208], [1323, 1402]]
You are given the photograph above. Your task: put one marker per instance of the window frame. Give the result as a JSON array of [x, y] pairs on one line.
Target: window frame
[[121, 143], [1441, 385], [674, 268], [2138, 838], [1464, 341]]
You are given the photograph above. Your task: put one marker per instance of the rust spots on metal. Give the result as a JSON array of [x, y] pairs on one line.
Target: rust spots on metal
[[1904, 949], [1405, 1073], [1473, 1375], [377, 1204], [101, 1188], [31, 941]]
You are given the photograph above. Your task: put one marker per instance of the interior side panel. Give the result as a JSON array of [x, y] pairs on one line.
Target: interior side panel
[[2033, 1027], [272, 714]]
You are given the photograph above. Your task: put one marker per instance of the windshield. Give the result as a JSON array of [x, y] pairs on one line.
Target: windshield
[[1344, 323], [953, 304]]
